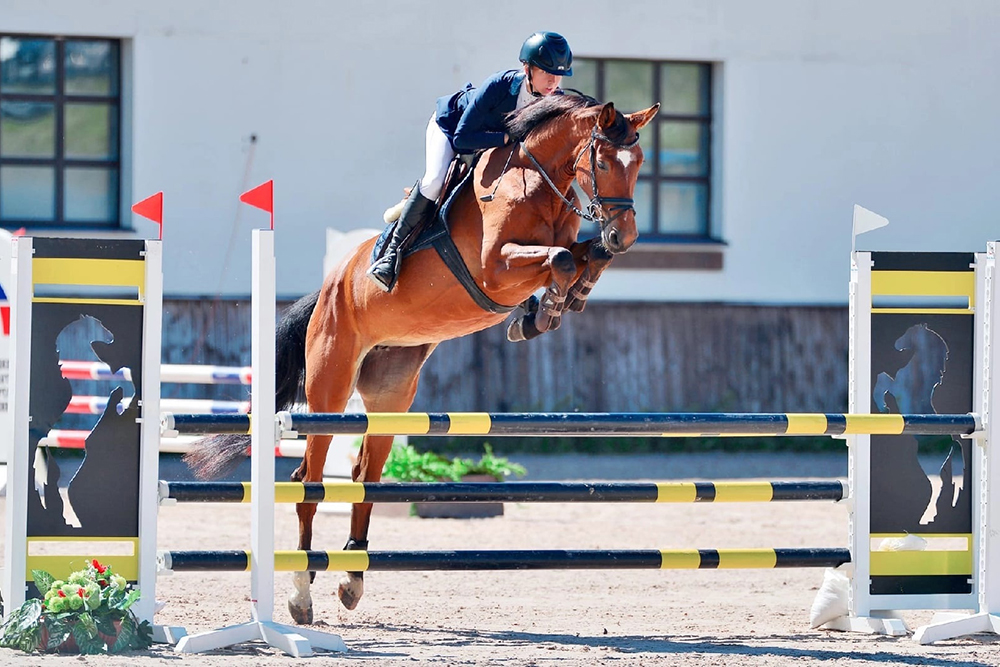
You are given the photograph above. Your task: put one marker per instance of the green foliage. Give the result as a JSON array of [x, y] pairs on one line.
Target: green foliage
[[488, 464], [406, 464], [92, 607]]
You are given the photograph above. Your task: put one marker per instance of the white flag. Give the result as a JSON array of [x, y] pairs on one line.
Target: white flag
[[865, 220]]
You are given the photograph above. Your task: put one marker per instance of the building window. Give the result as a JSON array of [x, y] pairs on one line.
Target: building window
[[673, 193], [60, 114]]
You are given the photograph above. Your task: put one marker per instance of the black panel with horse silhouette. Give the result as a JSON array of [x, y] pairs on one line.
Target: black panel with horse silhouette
[[921, 364], [110, 468]]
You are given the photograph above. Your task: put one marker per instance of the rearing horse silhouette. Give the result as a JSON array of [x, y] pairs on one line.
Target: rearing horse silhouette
[[913, 389], [350, 334]]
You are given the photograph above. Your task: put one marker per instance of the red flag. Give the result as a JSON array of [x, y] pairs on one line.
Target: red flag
[[151, 208], [261, 197]]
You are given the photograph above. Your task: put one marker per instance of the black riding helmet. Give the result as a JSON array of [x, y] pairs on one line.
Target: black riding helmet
[[549, 52]]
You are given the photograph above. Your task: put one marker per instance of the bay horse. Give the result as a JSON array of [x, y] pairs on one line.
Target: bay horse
[[516, 231]]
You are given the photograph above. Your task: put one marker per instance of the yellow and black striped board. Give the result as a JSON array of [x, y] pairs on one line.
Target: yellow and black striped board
[[680, 424], [922, 361], [923, 283], [107, 271], [98, 285], [513, 492], [560, 559]]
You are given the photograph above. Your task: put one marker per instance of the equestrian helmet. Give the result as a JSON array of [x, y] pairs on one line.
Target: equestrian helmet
[[549, 52]]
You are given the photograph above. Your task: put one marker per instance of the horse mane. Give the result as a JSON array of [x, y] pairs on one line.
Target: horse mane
[[539, 112]]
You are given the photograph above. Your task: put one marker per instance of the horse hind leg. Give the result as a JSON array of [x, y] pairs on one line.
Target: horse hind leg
[[330, 380], [300, 605], [387, 383]]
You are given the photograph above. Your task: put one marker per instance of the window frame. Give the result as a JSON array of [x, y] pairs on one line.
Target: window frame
[[654, 177], [59, 162]]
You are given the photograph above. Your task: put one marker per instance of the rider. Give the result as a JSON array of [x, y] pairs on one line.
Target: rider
[[471, 120]]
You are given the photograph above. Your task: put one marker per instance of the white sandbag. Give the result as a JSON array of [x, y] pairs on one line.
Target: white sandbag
[[908, 543], [831, 599]]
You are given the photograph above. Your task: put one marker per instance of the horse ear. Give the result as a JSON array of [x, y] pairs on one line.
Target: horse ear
[[640, 118], [607, 116]]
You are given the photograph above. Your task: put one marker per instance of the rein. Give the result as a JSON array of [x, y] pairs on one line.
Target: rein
[[599, 207]]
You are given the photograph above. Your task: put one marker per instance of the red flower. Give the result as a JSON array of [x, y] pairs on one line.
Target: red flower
[[61, 594], [97, 566], [79, 592]]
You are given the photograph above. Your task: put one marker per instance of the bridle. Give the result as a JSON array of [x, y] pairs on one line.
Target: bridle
[[599, 207]]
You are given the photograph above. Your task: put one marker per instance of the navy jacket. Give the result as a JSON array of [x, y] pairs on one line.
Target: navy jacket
[[473, 118]]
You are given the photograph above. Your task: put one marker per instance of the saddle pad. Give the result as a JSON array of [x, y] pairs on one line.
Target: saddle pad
[[438, 225]]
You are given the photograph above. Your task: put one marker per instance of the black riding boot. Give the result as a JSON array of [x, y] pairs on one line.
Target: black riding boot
[[416, 209]]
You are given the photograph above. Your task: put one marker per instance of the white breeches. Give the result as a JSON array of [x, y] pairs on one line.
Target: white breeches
[[439, 154]]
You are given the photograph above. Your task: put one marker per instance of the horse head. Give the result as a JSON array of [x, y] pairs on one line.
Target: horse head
[[607, 169], [575, 137]]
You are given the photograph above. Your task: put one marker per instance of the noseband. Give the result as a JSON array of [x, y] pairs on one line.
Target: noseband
[[600, 207]]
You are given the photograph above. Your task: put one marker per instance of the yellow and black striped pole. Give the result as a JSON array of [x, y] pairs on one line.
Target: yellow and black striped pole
[[556, 559], [663, 424], [513, 492]]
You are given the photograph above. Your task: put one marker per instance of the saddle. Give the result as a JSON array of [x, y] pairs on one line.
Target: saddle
[[434, 233]]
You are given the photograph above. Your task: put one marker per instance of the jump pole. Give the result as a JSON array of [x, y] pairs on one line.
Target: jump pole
[[526, 559], [509, 492], [583, 424]]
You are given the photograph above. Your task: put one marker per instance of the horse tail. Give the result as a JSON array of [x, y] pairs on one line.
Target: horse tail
[[290, 350], [218, 455]]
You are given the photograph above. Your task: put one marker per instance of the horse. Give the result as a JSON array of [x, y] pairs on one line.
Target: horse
[[515, 228]]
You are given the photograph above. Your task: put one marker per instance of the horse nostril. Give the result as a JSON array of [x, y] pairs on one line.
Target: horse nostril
[[613, 239]]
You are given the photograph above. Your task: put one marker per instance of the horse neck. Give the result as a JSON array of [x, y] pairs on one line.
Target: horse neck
[[557, 155]]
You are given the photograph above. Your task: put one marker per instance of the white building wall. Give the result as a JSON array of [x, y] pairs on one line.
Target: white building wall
[[886, 103]]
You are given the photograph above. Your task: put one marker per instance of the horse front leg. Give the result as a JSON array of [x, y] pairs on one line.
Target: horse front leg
[[595, 258], [546, 315]]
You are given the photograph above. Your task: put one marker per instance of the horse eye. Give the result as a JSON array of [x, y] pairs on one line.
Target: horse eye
[[602, 165]]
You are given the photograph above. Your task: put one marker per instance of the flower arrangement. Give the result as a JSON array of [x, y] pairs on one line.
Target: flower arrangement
[[89, 612]]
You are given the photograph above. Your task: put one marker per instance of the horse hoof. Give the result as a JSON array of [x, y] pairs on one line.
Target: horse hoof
[[300, 604], [349, 591], [515, 332], [301, 615]]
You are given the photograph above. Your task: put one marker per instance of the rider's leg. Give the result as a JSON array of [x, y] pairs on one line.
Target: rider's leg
[[417, 208], [437, 158]]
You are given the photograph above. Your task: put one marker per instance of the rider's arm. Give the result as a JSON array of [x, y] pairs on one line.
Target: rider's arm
[[475, 128]]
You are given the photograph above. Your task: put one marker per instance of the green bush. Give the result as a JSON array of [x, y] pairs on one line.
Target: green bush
[[406, 464]]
